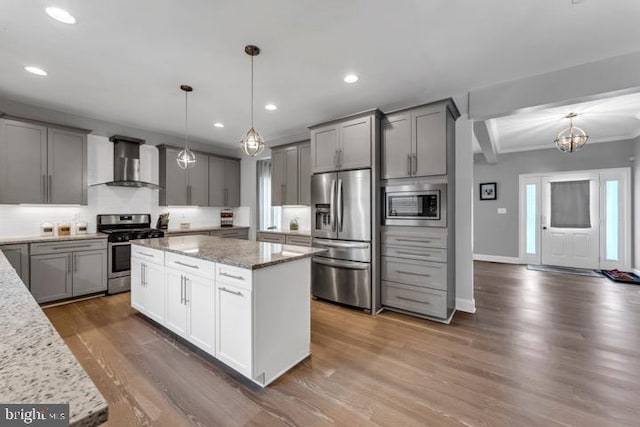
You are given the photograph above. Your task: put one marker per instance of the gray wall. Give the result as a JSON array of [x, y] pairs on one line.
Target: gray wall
[[496, 234]]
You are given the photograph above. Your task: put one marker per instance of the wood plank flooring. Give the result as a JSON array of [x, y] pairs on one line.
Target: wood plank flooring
[[542, 350]]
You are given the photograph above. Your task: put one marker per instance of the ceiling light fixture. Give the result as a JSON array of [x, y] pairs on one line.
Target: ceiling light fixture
[[351, 78], [35, 70], [572, 138], [60, 15], [218, 125], [252, 143], [271, 107], [186, 159]]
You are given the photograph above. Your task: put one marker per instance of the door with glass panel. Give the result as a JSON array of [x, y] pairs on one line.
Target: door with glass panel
[[571, 220]]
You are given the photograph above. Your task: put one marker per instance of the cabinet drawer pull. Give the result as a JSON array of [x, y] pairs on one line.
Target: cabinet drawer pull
[[231, 292], [402, 239], [412, 300], [186, 265], [71, 247], [146, 254], [222, 273], [412, 273], [411, 253]]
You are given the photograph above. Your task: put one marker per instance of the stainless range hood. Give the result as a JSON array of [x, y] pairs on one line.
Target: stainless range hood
[[126, 163]]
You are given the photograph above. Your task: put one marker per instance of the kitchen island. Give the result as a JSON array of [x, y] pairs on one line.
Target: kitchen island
[[36, 366], [245, 303]]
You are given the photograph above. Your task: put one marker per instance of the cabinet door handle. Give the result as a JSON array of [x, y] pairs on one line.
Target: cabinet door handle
[[413, 300], [44, 188], [181, 289], [415, 164], [186, 265], [50, 188], [409, 164], [340, 158], [231, 292], [75, 263], [186, 291], [412, 273], [69, 263], [222, 273]]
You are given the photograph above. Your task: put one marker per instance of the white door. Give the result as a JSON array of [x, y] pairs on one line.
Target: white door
[[202, 319], [570, 220], [176, 307]]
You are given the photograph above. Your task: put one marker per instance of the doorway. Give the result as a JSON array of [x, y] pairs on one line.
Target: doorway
[[576, 219]]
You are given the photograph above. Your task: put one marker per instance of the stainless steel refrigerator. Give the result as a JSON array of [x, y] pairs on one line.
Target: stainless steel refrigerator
[[341, 215]]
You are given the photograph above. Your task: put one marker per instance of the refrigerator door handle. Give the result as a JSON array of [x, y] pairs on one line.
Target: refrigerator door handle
[[332, 210], [340, 206], [341, 264], [341, 245]]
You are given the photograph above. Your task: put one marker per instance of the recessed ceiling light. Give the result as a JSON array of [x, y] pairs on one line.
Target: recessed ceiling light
[[271, 107], [60, 15], [35, 70], [350, 78], [218, 125]]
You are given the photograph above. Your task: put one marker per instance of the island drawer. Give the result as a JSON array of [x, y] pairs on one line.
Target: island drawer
[[417, 273], [234, 276], [242, 233], [422, 301], [422, 254], [272, 238], [191, 265], [148, 254], [299, 240], [68, 246]]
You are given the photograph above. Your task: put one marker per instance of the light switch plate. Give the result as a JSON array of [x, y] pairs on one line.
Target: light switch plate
[[502, 211]]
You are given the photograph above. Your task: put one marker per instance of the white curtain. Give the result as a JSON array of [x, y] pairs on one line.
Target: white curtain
[[268, 216]]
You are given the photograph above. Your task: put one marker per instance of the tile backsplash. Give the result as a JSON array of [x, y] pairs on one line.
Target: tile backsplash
[[25, 220], [301, 213]]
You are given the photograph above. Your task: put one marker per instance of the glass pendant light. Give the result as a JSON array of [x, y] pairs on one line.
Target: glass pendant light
[[186, 159], [252, 143], [572, 138]]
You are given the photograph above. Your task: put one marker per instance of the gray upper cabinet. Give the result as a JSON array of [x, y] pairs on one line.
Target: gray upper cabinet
[[342, 145], [414, 141], [18, 257], [304, 174], [198, 182], [396, 146], [284, 176], [173, 180], [42, 164], [224, 182], [67, 167]]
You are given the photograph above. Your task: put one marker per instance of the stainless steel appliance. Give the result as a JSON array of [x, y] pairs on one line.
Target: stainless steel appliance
[[121, 229], [126, 163], [423, 205], [341, 214]]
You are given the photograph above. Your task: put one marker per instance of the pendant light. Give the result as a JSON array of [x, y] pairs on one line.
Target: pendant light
[[186, 159], [252, 143], [572, 138]]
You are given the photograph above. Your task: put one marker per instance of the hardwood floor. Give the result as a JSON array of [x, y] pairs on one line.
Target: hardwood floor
[[542, 350]]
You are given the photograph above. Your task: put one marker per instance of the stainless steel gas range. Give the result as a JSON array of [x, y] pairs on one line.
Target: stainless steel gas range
[[121, 228]]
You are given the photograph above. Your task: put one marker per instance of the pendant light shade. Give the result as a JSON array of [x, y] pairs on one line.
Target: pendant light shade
[[571, 139], [186, 158], [252, 144]]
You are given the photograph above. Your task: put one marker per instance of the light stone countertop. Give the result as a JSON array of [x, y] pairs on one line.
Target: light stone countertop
[[240, 253], [36, 366], [43, 239], [304, 233], [199, 229]]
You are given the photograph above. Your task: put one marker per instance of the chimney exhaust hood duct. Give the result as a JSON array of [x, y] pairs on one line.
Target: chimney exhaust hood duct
[[126, 163]]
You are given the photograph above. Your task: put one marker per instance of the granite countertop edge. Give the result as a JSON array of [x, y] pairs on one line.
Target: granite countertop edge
[[301, 233], [197, 229], [36, 365], [52, 239]]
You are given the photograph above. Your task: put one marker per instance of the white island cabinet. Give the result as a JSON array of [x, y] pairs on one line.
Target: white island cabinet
[[245, 303]]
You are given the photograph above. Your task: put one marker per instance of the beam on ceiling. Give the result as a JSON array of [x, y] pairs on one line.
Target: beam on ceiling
[[484, 140]]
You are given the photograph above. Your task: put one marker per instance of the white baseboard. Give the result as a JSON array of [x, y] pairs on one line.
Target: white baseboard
[[466, 305], [496, 258]]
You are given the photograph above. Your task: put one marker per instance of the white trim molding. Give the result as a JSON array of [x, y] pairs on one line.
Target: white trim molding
[[466, 305], [497, 258]]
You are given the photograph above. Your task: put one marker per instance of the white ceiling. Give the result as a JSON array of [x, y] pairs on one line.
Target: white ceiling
[[124, 60], [610, 119]]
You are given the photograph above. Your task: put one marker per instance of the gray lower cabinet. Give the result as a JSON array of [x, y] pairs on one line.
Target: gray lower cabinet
[[234, 233], [42, 164], [269, 237], [51, 277], [18, 257], [67, 269], [224, 182]]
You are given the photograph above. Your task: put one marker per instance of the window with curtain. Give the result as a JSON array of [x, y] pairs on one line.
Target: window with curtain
[[268, 216], [570, 204]]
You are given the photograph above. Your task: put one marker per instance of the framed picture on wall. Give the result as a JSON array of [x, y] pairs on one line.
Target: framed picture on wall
[[488, 191]]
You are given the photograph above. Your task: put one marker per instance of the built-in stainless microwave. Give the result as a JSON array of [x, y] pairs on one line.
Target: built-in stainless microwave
[[417, 205]]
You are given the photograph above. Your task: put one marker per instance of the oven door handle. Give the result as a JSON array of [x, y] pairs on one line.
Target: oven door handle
[[119, 244], [342, 264]]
